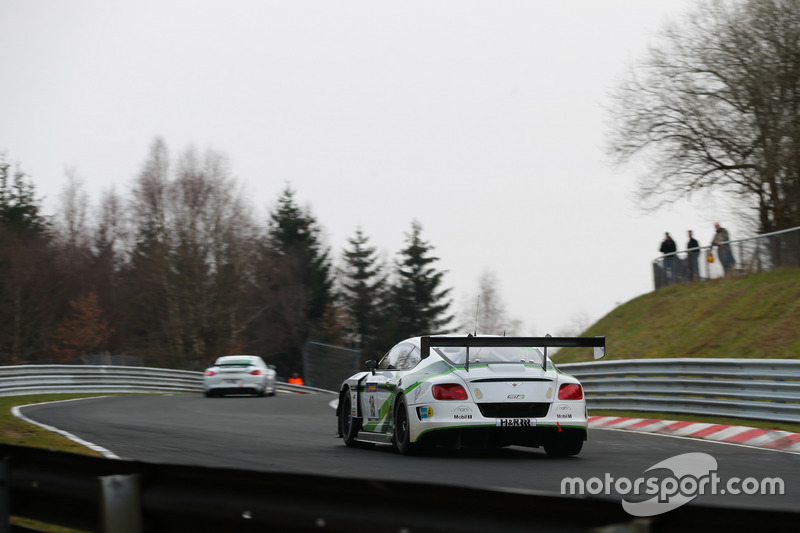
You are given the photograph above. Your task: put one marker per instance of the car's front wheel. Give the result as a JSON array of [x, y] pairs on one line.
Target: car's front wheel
[[401, 439]]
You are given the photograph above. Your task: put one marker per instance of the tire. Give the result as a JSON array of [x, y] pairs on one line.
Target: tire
[[401, 438], [565, 446], [348, 425], [208, 394]]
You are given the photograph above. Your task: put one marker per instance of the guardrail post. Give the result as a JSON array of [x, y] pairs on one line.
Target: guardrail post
[[5, 491], [120, 504]]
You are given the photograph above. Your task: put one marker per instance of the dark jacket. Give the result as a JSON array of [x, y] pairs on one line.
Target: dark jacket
[[668, 246]]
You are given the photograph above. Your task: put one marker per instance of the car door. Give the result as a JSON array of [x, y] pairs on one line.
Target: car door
[[380, 388]]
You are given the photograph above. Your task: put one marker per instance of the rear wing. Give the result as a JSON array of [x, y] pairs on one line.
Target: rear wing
[[598, 343]]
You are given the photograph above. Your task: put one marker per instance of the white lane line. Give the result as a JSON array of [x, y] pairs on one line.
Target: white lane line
[[16, 411]]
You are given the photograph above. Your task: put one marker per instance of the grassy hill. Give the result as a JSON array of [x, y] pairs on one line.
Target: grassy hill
[[755, 316]]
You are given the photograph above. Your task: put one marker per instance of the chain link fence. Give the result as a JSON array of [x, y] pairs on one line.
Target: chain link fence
[[326, 366], [780, 249]]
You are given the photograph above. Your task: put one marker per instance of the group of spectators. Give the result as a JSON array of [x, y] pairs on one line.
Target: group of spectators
[[690, 266]]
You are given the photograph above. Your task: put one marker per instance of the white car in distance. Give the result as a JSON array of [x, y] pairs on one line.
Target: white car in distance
[[239, 374]]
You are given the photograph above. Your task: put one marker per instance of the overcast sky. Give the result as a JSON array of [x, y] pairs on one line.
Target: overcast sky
[[482, 120]]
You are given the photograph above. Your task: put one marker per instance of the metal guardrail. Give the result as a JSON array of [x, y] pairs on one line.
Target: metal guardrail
[[116, 496], [779, 249], [38, 379], [759, 389], [48, 379]]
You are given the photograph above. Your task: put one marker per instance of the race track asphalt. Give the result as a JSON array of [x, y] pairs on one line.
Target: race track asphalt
[[295, 433]]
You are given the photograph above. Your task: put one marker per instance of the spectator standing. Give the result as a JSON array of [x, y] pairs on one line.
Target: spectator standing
[[693, 247], [668, 249], [724, 252]]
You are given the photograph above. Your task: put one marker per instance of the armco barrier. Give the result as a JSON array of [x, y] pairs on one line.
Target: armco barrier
[[759, 389], [116, 496], [49, 379], [37, 379]]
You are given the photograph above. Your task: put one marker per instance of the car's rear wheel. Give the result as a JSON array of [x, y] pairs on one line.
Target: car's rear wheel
[[401, 439], [348, 424]]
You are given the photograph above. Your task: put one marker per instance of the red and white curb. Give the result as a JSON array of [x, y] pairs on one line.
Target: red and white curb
[[746, 436]]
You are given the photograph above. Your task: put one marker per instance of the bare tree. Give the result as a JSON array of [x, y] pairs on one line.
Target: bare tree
[[212, 234], [190, 261], [715, 107], [486, 313], [71, 219]]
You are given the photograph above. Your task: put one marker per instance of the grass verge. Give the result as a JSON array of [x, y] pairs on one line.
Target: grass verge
[[16, 431]]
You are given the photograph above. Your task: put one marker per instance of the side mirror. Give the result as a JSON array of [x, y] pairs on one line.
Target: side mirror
[[372, 364]]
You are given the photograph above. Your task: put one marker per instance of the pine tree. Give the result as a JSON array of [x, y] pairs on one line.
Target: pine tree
[[294, 234], [364, 295], [294, 287], [422, 306], [30, 285], [20, 210]]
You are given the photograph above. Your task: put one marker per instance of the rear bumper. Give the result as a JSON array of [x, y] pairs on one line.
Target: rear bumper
[[492, 436], [529, 420], [245, 387]]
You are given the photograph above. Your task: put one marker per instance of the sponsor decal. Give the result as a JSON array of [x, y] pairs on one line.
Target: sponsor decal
[[425, 412], [515, 422], [462, 413], [564, 411], [417, 393], [515, 384], [372, 413], [372, 387], [516, 396], [549, 393]]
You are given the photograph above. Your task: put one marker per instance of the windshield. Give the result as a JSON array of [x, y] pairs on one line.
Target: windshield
[[485, 354]]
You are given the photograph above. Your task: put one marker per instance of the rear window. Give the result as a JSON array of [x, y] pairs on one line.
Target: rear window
[[495, 355], [236, 364]]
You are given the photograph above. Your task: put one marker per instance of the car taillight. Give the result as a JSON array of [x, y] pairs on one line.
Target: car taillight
[[256, 372], [449, 391], [570, 391], [210, 373]]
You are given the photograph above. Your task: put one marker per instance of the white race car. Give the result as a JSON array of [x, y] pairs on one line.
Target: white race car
[[239, 374], [467, 390]]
